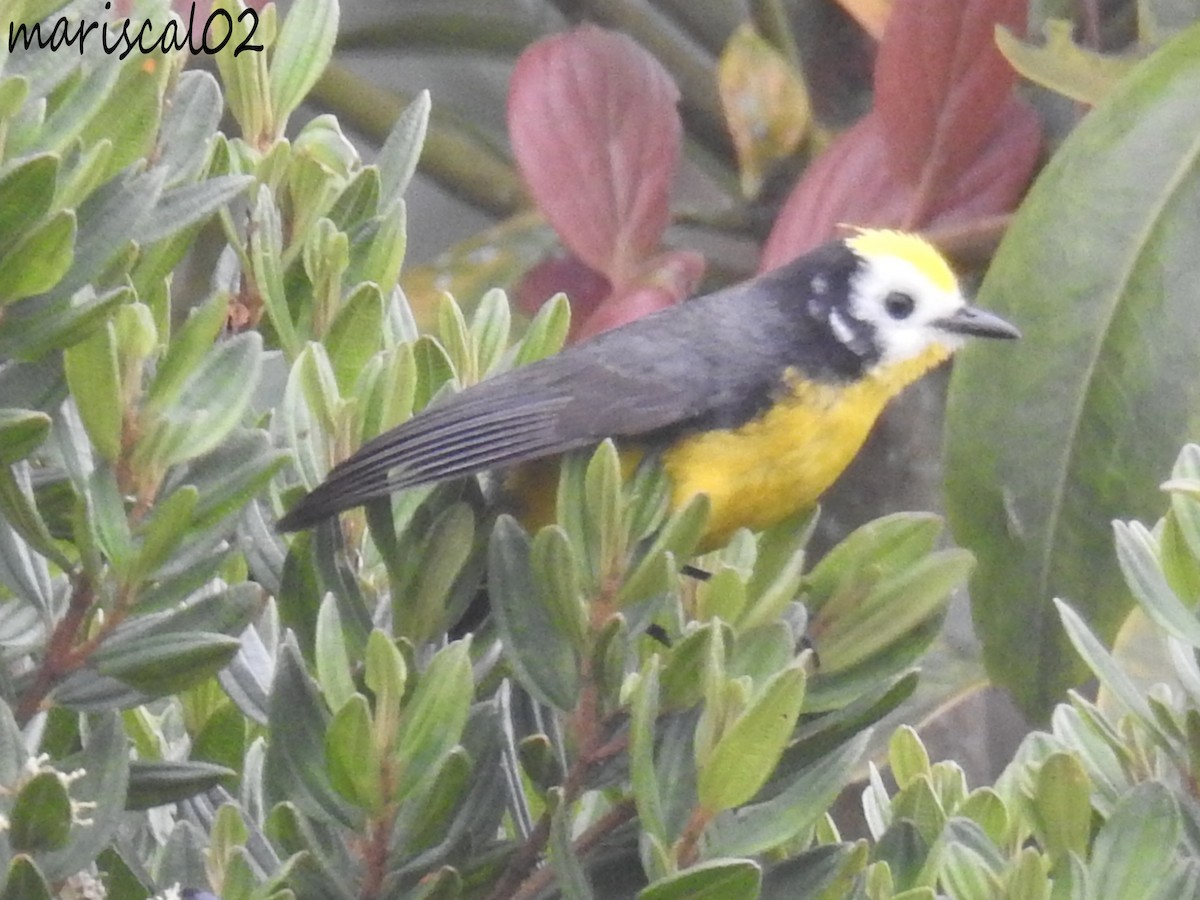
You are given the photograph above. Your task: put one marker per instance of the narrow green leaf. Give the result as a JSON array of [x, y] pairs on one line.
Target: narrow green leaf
[[21, 432], [1137, 556], [189, 122], [1062, 805], [452, 330], [188, 346], [547, 332], [435, 715], [294, 768], [93, 375], [158, 782], [333, 662], [714, 879], [560, 586], [266, 253], [749, 749], [352, 757], [37, 262], [643, 721], [302, 51], [25, 881], [40, 819], [165, 528], [398, 157], [567, 867], [355, 335], [1136, 844], [28, 189], [386, 674], [167, 663], [541, 657], [758, 827], [1108, 393], [908, 756], [489, 331], [188, 204], [210, 404]]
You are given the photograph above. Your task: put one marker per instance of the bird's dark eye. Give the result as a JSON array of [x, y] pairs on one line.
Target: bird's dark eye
[[899, 305]]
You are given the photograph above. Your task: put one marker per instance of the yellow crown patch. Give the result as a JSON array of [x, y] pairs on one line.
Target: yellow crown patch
[[909, 247]]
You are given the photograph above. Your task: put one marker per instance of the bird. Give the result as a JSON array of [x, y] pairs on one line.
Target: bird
[[757, 395]]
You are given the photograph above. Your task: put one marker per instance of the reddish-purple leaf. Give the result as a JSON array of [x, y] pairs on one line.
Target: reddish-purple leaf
[[665, 281], [595, 131], [940, 82], [585, 287], [850, 184]]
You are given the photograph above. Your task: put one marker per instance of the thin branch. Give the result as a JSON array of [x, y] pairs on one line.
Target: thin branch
[[61, 658], [456, 156]]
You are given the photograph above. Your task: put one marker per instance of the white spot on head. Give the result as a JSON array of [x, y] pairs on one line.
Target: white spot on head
[[841, 329], [819, 284], [905, 336]]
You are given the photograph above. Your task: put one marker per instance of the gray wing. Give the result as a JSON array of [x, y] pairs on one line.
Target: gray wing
[[653, 375]]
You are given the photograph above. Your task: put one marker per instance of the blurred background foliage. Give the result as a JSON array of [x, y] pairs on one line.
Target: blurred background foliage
[[204, 304]]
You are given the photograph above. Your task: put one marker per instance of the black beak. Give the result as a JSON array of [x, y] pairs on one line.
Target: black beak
[[978, 323]]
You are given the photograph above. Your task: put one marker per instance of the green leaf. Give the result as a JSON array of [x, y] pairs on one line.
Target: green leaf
[[21, 432], [295, 768], [131, 112], [1087, 76], [158, 782], [643, 720], [27, 189], [1108, 392], [566, 864], [164, 529], [758, 827], [352, 757], [560, 587], [541, 657], [188, 346], [189, 204], [209, 405], [1062, 806], [266, 262], [302, 51], [189, 122], [333, 662], [714, 879], [435, 714], [105, 765], [356, 334], [398, 157], [167, 663], [1137, 556], [39, 259], [25, 881], [40, 819], [94, 378], [546, 333], [1136, 844], [749, 749], [908, 757]]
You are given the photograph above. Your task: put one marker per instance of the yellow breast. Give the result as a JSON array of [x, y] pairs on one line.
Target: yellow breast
[[781, 462], [763, 471]]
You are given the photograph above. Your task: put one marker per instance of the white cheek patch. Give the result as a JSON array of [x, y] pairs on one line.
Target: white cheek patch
[[900, 339]]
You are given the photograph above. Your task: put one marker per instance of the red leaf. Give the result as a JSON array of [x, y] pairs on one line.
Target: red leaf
[[850, 184], [668, 279], [940, 82], [596, 134], [585, 287]]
